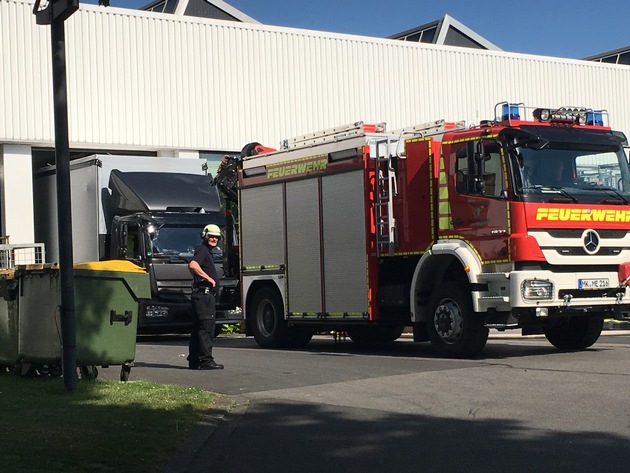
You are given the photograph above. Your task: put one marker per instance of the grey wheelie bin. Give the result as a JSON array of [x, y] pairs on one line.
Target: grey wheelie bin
[[39, 329], [8, 320]]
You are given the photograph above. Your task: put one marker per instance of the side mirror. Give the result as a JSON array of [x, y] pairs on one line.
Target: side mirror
[[476, 161], [122, 241]]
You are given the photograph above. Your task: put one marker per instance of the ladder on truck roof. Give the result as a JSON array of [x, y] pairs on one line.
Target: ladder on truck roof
[[330, 135]]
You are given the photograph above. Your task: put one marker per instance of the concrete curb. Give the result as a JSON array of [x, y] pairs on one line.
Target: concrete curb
[[206, 440]]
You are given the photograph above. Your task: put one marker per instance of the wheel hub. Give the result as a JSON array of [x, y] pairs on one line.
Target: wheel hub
[[267, 319], [448, 321]]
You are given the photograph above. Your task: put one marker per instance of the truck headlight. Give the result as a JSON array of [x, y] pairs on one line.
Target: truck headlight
[[537, 290]]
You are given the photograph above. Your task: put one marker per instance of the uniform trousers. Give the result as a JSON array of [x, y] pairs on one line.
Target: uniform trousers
[[202, 334]]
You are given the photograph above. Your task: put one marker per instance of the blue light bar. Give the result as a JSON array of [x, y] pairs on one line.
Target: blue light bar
[[509, 111], [595, 118]]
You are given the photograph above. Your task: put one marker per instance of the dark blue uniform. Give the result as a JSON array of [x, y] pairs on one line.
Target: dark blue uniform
[[204, 310]]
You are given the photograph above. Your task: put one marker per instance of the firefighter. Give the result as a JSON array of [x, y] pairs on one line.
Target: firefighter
[[205, 286], [546, 174]]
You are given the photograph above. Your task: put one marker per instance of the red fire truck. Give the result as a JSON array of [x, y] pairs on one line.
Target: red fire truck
[[449, 229]]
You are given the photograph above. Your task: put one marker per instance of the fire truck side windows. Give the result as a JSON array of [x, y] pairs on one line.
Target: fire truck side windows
[[492, 173], [485, 176], [462, 176]]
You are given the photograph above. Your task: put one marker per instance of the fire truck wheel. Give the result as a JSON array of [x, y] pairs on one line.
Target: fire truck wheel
[[576, 333], [268, 325], [454, 329]]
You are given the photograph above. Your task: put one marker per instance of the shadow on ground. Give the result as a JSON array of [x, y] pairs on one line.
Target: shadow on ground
[[277, 436]]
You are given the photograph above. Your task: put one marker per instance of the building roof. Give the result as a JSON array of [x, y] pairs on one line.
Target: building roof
[[618, 56], [217, 9], [446, 31]]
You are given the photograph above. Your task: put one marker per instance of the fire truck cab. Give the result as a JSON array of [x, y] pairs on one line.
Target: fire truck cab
[[448, 229]]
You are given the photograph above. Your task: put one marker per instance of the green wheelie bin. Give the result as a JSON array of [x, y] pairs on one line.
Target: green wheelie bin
[[106, 295]]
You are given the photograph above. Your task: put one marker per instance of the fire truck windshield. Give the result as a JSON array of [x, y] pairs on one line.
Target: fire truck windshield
[[580, 173]]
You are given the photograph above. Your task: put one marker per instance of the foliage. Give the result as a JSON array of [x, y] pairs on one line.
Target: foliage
[[102, 426], [231, 328]]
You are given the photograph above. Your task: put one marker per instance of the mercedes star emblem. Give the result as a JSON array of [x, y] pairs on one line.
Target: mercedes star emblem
[[591, 241]]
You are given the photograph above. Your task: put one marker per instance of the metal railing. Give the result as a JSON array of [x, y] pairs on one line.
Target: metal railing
[[14, 255]]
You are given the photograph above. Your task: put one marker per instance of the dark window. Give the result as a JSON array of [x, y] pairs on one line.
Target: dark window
[[610, 59], [624, 58], [428, 35]]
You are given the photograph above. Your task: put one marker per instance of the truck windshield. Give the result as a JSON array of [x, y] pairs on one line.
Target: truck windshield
[[179, 241], [570, 171]]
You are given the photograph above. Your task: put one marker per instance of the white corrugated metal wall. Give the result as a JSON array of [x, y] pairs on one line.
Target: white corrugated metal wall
[[149, 81]]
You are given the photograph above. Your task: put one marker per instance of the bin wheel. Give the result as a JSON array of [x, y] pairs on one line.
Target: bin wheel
[[124, 372], [89, 373], [23, 370]]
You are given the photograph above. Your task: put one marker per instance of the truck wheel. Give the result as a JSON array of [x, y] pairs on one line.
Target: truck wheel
[[268, 325], [576, 333], [454, 329]]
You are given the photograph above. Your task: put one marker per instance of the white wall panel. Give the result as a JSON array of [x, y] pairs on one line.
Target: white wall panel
[[148, 81]]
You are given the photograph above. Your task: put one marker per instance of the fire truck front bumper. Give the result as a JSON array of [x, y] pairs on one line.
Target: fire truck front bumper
[[565, 291]]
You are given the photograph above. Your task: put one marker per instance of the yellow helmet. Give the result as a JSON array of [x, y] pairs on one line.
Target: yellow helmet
[[211, 230]]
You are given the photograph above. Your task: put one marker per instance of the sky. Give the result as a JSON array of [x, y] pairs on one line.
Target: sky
[[570, 29]]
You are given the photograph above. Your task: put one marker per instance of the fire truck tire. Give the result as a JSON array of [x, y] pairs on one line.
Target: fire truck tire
[[268, 325], [576, 333], [454, 329]]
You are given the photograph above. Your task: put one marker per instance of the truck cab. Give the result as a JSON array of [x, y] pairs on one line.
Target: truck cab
[[163, 243], [535, 215]]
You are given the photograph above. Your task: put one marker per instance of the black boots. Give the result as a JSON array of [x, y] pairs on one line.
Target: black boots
[[210, 366]]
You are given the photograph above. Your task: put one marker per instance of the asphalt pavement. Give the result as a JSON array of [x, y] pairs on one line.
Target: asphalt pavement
[[521, 407]]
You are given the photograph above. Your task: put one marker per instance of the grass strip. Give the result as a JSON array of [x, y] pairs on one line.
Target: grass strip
[[103, 426]]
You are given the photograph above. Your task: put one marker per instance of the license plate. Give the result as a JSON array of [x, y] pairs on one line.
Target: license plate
[[593, 283]]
